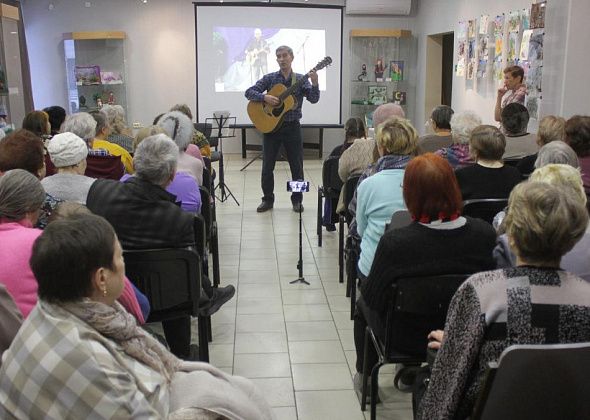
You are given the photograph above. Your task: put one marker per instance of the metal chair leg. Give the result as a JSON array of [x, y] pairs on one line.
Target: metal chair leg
[[365, 369], [203, 338], [215, 254], [375, 389], [341, 250], [319, 218], [209, 330], [352, 297]]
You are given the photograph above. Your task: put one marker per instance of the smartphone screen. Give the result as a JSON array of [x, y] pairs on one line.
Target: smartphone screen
[[298, 186]]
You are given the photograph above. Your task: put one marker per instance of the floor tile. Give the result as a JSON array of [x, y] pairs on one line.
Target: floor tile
[[321, 376], [339, 303], [316, 352], [311, 330], [259, 306], [267, 365], [277, 391], [342, 320], [347, 339], [271, 290], [307, 313], [261, 342], [221, 355], [260, 323], [324, 405], [299, 297], [285, 413]]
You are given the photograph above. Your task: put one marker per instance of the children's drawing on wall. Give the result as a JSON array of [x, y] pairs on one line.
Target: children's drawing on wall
[[533, 79], [513, 21], [483, 24], [536, 45], [538, 15], [499, 46], [524, 45], [470, 69], [460, 68], [532, 105], [471, 29], [499, 25], [471, 49], [462, 31], [525, 18], [498, 70], [482, 68], [512, 46], [484, 50]]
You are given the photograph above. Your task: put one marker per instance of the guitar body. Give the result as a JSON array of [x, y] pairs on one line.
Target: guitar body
[[267, 118]]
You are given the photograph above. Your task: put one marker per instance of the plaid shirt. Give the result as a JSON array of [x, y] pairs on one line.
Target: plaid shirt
[[312, 93], [122, 140], [98, 152], [517, 96], [58, 367]]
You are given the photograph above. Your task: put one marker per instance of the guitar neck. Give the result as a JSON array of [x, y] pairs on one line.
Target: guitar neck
[[292, 88]]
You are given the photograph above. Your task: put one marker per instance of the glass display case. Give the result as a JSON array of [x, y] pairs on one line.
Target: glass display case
[[382, 70], [95, 69]]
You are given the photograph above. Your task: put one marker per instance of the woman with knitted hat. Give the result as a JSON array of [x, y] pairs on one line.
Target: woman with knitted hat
[[68, 153]]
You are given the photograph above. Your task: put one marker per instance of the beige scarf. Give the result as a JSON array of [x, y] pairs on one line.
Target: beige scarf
[[116, 323]]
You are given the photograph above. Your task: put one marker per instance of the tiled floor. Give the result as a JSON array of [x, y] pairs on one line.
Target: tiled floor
[[294, 341]]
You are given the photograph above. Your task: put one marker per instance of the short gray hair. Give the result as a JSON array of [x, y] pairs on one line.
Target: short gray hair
[[115, 115], [81, 124], [20, 193], [462, 124], [285, 48], [557, 152], [101, 121], [179, 127], [155, 159], [385, 112]]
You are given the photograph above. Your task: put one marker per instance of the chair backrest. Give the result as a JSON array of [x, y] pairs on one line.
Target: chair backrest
[[204, 128], [201, 233], [169, 278], [107, 167], [484, 208], [425, 299], [537, 382], [206, 211], [330, 179], [399, 219], [349, 189], [207, 179], [512, 161]]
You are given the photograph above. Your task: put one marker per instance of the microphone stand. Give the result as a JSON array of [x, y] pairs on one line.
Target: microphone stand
[[301, 279]]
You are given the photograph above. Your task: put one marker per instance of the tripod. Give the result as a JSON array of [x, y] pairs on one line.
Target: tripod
[[221, 120], [300, 262]]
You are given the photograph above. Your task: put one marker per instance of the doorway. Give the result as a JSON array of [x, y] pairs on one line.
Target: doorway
[[439, 71]]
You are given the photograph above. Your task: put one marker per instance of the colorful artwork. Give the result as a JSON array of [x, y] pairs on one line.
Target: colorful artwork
[[483, 24], [499, 45], [396, 70], [377, 95], [482, 68], [525, 17], [513, 21], [111, 78], [399, 97], [470, 69], [462, 31], [524, 45], [471, 29], [461, 49], [484, 50], [498, 70], [512, 46], [536, 45], [460, 68], [538, 15], [471, 49], [87, 75], [499, 25]]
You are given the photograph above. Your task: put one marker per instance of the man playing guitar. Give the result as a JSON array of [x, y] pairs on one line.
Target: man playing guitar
[[256, 54], [289, 132]]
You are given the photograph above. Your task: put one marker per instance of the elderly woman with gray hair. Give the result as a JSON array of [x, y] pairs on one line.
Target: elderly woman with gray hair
[[68, 153], [119, 134], [462, 124], [21, 197], [180, 129]]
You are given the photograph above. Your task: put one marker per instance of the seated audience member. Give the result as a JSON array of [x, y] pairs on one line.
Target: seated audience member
[[440, 123], [100, 141], [519, 142], [353, 129], [37, 122], [513, 90], [557, 152], [131, 298], [184, 187], [22, 149], [551, 128], [355, 159], [104, 365], [21, 197], [180, 128], [462, 124], [577, 135], [380, 195], [488, 177], [197, 138], [10, 320], [492, 310], [576, 261], [68, 153], [119, 133], [57, 116], [438, 241], [145, 216], [84, 126]]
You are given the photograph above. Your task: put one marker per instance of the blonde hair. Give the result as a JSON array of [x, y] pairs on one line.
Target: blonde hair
[[146, 132], [561, 175], [116, 118], [544, 221], [551, 128], [397, 136]]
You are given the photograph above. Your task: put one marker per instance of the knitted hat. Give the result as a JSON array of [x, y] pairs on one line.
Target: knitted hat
[[67, 149]]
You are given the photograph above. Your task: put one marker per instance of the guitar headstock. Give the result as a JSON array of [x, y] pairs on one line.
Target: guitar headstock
[[324, 63]]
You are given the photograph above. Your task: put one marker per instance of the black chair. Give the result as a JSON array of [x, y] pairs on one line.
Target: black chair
[[399, 219], [204, 128], [171, 281], [211, 236], [512, 161], [424, 298], [207, 179], [484, 208], [539, 382], [329, 190], [351, 252]]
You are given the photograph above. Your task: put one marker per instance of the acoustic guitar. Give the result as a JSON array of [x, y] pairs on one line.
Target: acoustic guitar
[[268, 118]]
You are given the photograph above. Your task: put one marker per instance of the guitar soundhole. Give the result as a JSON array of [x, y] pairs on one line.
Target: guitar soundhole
[[278, 110]]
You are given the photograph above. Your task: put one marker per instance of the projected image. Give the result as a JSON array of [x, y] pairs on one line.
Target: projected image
[[244, 55]]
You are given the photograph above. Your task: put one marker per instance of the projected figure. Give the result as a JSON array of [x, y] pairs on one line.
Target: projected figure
[[289, 132], [256, 53]]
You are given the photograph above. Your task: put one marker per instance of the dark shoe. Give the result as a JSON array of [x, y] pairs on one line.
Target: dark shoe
[[405, 378], [193, 355], [331, 227], [298, 207], [220, 296], [357, 383], [264, 206]]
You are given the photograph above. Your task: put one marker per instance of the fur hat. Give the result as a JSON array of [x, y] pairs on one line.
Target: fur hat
[[67, 149], [178, 127]]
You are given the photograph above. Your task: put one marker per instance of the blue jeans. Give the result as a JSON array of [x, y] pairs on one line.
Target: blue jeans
[[288, 135]]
